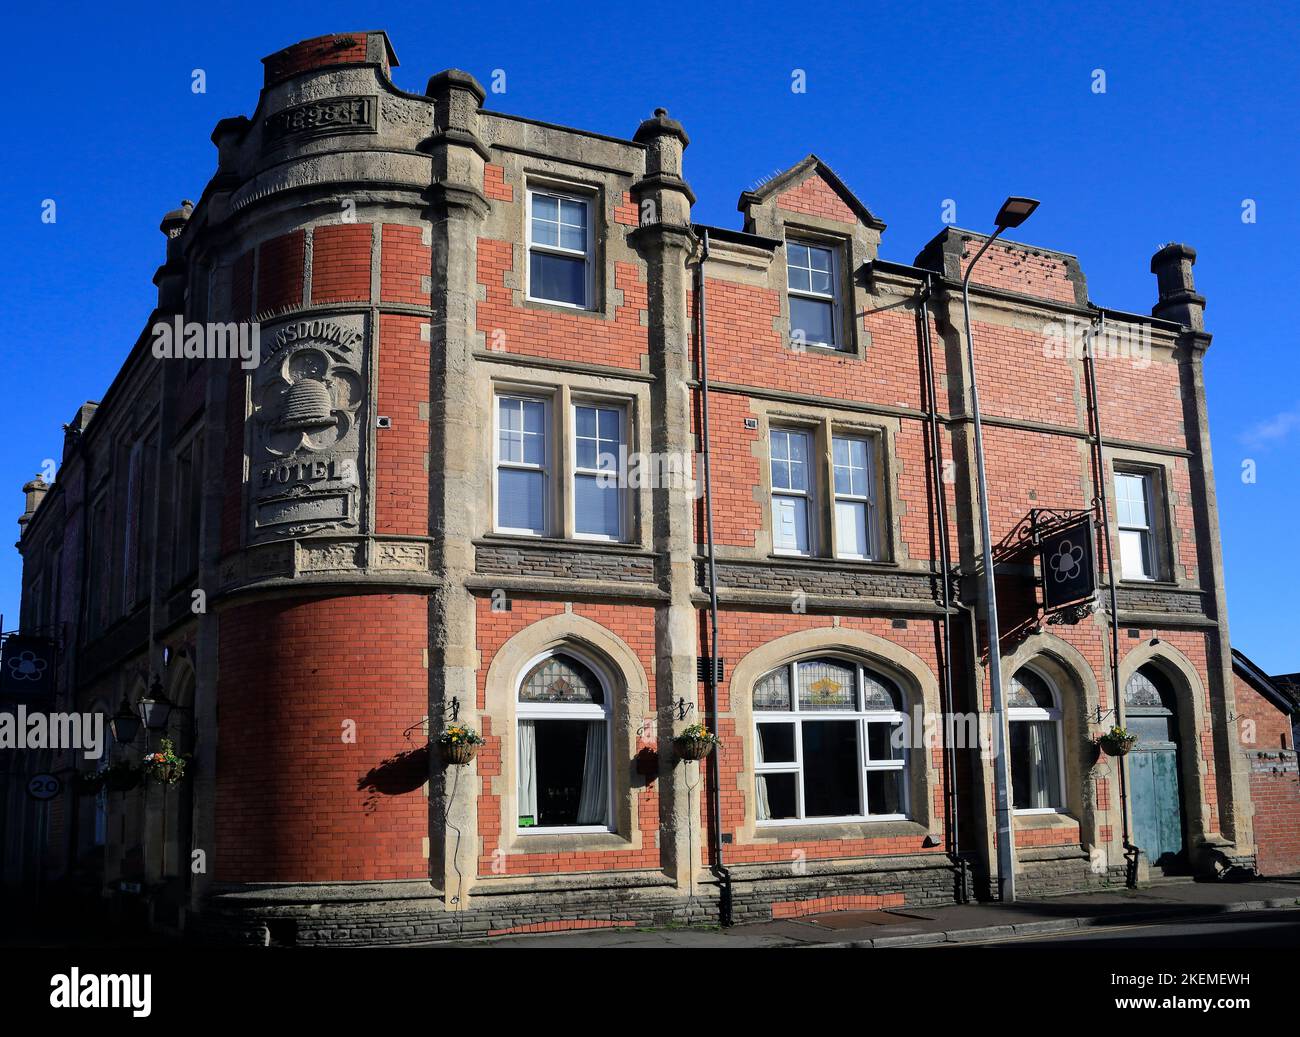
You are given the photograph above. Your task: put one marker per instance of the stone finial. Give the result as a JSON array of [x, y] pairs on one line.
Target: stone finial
[[457, 99], [227, 135], [174, 222], [665, 140], [170, 277], [455, 79], [1177, 300], [34, 492]]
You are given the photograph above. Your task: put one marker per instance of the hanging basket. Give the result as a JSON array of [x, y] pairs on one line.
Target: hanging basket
[[168, 773], [693, 748], [164, 767], [88, 783], [459, 753], [1116, 744], [121, 778]]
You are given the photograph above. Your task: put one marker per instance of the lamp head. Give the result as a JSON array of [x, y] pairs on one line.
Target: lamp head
[[124, 724], [1015, 211]]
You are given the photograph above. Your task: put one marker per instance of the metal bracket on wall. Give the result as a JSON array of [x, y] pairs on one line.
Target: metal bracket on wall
[[1044, 520]]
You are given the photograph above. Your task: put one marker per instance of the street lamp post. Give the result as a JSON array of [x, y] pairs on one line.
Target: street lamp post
[[1013, 213]]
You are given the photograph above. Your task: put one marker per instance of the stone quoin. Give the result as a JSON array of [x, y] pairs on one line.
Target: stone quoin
[[402, 517]]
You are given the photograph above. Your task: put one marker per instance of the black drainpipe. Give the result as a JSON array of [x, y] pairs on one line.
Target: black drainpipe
[[1130, 851], [936, 461], [715, 784]]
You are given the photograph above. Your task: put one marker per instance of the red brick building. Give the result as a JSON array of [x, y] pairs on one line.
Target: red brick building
[[1268, 716], [403, 517]]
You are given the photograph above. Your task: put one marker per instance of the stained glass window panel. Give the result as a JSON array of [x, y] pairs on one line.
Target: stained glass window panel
[[824, 684], [561, 679], [773, 691], [1029, 691]]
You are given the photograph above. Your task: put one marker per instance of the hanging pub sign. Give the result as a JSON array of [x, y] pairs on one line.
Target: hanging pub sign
[[1068, 561], [27, 667]]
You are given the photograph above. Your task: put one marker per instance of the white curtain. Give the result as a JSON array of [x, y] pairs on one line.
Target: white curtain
[[528, 770], [1043, 764], [764, 809], [594, 802]]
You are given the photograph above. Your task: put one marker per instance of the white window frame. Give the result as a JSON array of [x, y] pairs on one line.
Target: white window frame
[[619, 473], [862, 717], [568, 711], [837, 328], [587, 255], [544, 468], [1146, 533], [868, 499], [1026, 713], [808, 494]]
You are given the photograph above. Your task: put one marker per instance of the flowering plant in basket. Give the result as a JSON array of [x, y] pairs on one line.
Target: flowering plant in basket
[[460, 743], [696, 742], [164, 766]]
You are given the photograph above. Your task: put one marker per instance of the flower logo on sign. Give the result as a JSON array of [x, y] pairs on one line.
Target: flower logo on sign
[[1067, 561], [26, 667]]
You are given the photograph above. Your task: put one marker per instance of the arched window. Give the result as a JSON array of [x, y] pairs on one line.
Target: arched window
[[1034, 723], [563, 746], [828, 744], [1149, 706]]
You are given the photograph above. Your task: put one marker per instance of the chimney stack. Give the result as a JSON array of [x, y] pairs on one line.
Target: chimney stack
[[35, 493], [1178, 300], [170, 277]]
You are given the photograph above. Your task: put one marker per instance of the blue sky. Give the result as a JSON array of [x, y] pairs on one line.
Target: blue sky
[[911, 104]]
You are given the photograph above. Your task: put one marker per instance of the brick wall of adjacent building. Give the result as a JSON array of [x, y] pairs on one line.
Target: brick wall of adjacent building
[[1264, 735], [1275, 791]]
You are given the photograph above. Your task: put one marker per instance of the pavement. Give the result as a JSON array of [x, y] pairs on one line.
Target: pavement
[[970, 924], [1231, 930]]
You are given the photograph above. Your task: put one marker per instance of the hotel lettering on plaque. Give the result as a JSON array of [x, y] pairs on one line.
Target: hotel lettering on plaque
[[307, 439]]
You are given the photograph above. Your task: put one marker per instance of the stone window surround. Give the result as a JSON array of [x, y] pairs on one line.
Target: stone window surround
[[1057, 720], [596, 233], [920, 689], [798, 718], [99, 543], [843, 262], [1078, 697], [856, 244], [561, 389], [610, 690], [602, 189], [629, 706], [826, 423], [1164, 547], [184, 444]]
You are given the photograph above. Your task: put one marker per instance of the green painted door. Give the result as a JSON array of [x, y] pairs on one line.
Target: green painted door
[[1157, 801]]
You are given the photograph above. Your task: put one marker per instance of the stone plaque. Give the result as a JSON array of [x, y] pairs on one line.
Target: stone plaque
[[317, 118], [308, 429]]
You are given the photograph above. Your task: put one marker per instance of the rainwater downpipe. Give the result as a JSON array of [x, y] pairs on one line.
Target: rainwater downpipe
[[949, 754], [1130, 851], [719, 869]]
